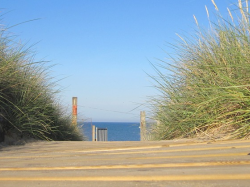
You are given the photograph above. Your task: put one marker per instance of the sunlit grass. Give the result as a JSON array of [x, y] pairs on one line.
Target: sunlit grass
[[28, 104], [206, 88]]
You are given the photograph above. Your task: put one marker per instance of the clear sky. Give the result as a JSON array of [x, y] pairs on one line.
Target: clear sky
[[103, 48]]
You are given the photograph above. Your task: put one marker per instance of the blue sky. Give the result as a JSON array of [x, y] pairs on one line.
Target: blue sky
[[103, 48]]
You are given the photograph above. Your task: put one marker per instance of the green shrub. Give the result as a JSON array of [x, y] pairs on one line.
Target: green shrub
[[206, 90], [27, 96]]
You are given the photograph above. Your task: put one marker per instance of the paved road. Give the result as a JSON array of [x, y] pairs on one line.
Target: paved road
[[126, 164]]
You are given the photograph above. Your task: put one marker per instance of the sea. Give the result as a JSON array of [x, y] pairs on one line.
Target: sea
[[117, 131]]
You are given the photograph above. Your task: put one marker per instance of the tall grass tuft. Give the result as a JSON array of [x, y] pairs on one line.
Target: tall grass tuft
[[28, 106], [206, 86]]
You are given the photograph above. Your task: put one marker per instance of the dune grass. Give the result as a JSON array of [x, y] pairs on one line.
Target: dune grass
[[28, 104], [206, 86]]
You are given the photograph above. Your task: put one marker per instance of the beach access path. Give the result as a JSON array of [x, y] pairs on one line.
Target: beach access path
[[127, 164]]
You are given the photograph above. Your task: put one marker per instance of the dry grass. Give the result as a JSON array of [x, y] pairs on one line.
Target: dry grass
[[28, 104], [206, 88]]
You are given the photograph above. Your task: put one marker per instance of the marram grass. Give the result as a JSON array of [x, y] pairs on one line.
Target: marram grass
[[206, 88], [28, 104]]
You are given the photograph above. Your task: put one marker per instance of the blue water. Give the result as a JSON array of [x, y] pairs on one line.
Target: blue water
[[117, 131]]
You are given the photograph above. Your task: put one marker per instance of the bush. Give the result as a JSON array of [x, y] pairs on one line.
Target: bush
[[27, 96], [207, 92]]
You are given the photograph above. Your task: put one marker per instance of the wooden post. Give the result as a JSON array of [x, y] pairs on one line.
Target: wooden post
[[93, 133], [74, 110], [143, 125], [96, 138]]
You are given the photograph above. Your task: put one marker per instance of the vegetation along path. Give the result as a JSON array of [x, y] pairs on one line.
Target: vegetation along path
[[162, 163]]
